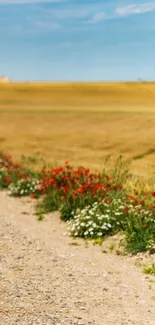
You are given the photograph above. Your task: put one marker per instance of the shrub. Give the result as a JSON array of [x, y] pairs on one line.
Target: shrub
[[69, 188], [103, 218], [4, 178], [98, 219], [150, 269], [140, 232], [50, 202], [23, 187]]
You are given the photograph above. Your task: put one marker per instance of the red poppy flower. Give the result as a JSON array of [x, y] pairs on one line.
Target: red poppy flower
[[153, 194], [7, 179], [107, 177], [33, 195], [86, 172], [66, 189], [107, 200], [80, 190], [126, 208], [51, 181]]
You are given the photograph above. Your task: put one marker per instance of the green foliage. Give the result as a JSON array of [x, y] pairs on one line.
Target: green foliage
[[140, 233], [40, 217], [23, 187], [98, 241], [70, 205], [3, 178], [149, 269], [94, 204], [51, 202], [98, 219], [74, 244]]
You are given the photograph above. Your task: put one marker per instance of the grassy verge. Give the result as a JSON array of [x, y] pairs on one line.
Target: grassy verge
[[94, 204]]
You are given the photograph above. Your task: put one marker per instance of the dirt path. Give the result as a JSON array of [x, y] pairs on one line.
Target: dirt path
[[45, 281]]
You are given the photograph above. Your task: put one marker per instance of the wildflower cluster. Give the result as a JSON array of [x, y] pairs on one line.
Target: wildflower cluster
[[69, 188], [98, 219], [6, 162], [92, 221], [24, 187], [79, 181], [8, 170], [93, 203], [18, 180], [3, 177]]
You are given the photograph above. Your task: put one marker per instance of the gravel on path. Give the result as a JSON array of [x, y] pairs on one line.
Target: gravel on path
[[46, 281]]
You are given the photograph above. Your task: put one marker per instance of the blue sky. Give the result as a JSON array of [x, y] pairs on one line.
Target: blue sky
[[77, 39]]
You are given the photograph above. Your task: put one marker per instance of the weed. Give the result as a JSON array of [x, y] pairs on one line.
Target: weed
[[98, 241], [40, 217], [50, 203], [74, 244], [86, 244], [112, 247], [149, 269], [140, 233]]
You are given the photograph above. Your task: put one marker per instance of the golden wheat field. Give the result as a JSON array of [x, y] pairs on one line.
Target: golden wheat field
[[80, 122]]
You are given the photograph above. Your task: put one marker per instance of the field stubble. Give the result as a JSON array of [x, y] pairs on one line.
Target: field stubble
[[80, 122]]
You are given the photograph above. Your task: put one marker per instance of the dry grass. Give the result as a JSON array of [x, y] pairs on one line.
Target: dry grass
[[80, 122]]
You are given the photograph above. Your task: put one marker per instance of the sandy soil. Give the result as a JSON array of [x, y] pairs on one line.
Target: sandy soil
[[46, 281]]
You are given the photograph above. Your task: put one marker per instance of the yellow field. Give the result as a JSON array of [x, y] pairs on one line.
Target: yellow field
[[80, 122]]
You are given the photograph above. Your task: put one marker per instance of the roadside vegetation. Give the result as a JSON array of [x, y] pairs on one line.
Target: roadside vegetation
[[94, 204]]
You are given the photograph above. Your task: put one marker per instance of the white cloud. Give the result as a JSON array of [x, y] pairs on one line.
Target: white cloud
[[123, 12], [97, 18], [74, 11], [135, 9], [48, 25]]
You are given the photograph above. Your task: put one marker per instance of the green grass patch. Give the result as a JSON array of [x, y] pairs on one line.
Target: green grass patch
[[149, 269]]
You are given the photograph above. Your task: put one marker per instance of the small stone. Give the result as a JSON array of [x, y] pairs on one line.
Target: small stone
[[142, 302]]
